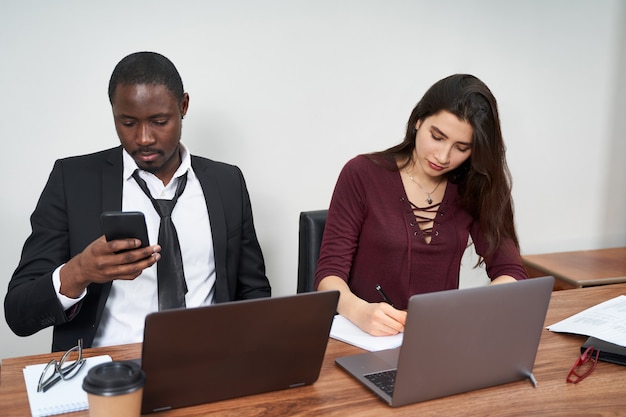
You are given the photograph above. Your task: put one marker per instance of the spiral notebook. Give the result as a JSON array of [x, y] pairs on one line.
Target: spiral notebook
[[64, 397]]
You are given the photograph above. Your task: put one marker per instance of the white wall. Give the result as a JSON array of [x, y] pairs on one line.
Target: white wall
[[290, 90]]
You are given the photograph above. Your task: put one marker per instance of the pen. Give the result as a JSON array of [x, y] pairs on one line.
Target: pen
[[382, 293]]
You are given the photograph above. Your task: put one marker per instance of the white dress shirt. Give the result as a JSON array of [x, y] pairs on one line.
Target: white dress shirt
[[130, 301]]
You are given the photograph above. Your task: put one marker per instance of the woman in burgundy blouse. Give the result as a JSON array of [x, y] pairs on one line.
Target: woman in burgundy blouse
[[399, 220]]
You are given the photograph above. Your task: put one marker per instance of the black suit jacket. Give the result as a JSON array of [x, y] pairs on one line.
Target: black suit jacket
[[67, 219]]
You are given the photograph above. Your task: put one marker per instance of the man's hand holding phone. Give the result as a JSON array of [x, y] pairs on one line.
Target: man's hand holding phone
[[121, 253]]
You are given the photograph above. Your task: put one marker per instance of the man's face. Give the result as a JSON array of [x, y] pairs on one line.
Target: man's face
[[148, 120]]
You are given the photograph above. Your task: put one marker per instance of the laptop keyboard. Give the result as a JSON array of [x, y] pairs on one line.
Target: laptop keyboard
[[384, 380]]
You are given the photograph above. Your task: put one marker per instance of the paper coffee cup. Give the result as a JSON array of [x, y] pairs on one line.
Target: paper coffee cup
[[115, 389]]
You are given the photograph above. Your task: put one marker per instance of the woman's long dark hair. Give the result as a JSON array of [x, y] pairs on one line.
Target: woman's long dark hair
[[484, 178]]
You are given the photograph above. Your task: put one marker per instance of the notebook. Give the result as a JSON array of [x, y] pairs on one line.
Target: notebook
[[228, 350], [457, 341], [609, 352], [65, 396]]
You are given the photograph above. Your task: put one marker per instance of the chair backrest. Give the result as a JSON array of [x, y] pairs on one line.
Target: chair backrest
[[309, 241]]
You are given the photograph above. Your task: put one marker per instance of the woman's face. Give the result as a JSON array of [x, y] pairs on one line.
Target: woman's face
[[442, 143]]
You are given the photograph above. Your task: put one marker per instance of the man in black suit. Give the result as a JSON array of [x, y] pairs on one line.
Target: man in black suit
[[71, 278]]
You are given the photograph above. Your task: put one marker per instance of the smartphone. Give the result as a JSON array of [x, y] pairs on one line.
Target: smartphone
[[124, 225]]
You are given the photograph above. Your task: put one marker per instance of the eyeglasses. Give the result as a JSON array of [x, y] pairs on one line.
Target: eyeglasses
[[584, 365], [67, 368]]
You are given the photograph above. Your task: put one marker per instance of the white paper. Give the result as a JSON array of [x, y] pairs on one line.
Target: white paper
[[63, 397], [605, 321], [346, 331]]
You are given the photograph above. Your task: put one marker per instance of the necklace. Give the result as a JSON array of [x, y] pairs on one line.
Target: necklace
[[429, 199]]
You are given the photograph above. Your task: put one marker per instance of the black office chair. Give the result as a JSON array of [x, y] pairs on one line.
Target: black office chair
[[309, 241]]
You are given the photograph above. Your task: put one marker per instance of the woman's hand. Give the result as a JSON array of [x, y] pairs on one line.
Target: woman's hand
[[377, 319]]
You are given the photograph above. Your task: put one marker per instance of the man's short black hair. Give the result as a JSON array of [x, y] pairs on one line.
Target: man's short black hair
[[147, 68]]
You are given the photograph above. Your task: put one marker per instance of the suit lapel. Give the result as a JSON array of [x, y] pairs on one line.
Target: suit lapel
[[112, 181], [111, 201], [217, 220]]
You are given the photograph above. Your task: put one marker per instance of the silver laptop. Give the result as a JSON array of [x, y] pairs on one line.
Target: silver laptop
[[457, 341], [200, 355]]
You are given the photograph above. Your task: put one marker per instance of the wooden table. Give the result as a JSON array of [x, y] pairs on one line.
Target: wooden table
[[579, 268], [603, 393]]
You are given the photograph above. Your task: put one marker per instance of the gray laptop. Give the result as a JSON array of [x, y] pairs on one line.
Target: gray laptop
[[200, 355], [458, 341]]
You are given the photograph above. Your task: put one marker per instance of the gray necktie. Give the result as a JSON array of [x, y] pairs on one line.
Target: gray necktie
[[170, 274]]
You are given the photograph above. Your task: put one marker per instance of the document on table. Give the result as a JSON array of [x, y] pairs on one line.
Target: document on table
[[605, 321], [346, 331]]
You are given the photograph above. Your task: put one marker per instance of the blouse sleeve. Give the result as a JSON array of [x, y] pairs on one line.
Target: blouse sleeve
[[343, 224], [505, 260]]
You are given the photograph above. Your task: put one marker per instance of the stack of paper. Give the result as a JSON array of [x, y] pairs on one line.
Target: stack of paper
[[605, 321]]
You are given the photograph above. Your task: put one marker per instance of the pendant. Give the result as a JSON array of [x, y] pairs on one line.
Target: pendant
[[429, 200]]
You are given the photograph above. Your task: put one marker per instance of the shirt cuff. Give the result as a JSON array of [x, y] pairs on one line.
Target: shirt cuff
[[66, 302]]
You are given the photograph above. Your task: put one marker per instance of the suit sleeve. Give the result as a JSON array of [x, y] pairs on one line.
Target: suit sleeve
[[252, 281], [31, 303]]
